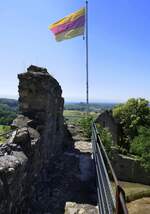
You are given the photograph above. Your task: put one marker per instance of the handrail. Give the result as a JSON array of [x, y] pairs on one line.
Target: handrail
[[106, 156], [108, 203]]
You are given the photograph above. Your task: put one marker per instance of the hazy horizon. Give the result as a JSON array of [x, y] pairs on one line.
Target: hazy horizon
[[75, 100]]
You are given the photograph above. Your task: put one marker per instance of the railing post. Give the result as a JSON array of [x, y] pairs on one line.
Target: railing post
[[120, 195]]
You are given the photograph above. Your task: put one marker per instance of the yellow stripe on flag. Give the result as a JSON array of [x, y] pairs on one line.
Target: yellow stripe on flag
[[69, 18]]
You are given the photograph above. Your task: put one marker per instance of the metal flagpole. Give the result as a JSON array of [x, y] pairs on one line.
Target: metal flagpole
[[87, 56]]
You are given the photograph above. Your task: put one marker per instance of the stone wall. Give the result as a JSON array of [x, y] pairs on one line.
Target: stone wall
[[106, 120], [37, 140], [129, 169]]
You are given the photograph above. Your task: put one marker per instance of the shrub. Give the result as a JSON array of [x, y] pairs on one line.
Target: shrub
[[132, 114], [141, 146], [105, 136], [85, 124]]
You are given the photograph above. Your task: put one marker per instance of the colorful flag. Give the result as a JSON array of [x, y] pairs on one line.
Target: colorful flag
[[71, 26]]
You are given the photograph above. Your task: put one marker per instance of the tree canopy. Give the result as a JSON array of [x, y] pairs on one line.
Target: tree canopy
[[133, 114], [134, 117], [141, 146]]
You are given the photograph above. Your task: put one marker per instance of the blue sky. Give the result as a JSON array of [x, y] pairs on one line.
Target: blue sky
[[119, 47]]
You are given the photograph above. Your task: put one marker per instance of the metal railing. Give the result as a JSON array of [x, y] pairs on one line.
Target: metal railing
[[108, 201]]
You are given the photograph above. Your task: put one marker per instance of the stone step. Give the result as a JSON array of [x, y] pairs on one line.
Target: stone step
[[74, 208]]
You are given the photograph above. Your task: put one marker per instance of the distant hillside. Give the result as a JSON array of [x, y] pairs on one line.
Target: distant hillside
[[94, 107], [8, 110], [9, 102]]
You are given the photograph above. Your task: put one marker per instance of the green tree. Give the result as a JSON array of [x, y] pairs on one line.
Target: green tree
[[141, 146], [132, 114]]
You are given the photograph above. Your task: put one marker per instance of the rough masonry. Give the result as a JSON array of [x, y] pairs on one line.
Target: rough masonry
[[36, 141]]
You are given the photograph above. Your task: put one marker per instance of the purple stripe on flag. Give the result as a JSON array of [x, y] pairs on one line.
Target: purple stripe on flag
[[69, 26]]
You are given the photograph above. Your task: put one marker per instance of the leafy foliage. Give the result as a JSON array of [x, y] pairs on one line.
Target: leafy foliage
[[134, 117], [132, 114], [105, 136], [141, 146], [85, 125]]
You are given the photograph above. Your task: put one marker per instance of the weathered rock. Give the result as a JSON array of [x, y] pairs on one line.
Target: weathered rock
[[23, 139], [74, 208], [40, 100], [83, 146], [21, 121], [27, 156]]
